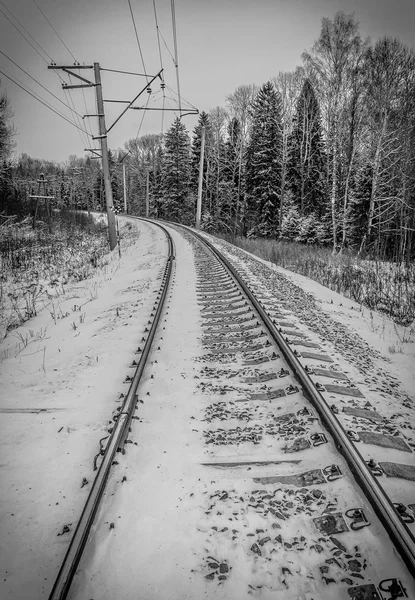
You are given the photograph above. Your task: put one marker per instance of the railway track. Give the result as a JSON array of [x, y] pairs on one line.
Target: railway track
[[283, 503]]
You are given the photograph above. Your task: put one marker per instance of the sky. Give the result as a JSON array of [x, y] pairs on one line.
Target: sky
[[221, 44]]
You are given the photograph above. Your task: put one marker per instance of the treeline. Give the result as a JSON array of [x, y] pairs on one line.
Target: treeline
[[75, 184], [322, 155]]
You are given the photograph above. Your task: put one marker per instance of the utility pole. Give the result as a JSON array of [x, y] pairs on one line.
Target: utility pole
[[41, 195], [105, 163], [148, 194], [103, 130], [112, 233], [124, 187], [199, 192]]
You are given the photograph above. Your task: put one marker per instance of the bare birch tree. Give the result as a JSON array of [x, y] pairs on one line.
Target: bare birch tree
[[330, 59]]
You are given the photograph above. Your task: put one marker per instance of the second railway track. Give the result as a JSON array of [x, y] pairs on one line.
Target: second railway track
[[274, 500]]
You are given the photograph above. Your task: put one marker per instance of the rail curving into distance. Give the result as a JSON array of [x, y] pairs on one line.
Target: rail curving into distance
[[399, 533], [115, 444]]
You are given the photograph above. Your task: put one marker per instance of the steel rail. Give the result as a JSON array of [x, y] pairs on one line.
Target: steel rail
[[117, 439], [399, 533]]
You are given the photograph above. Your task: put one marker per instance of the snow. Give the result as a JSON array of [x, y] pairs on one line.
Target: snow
[[160, 539], [365, 352], [74, 372]]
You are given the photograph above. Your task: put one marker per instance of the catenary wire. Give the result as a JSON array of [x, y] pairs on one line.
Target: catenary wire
[[124, 72], [42, 57], [87, 112], [168, 49], [138, 40], [183, 99], [32, 93], [34, 2], [173, 107], [23, 36], [161, 63], [24, 29], [35, 96], [73, 56], [81, 136], [162, 114], [173, 18], [38, 82], [77, 120], [158, 34], [142, 118]]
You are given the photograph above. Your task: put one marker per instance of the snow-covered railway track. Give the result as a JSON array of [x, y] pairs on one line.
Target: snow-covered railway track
[[118, 434], [243, 481], [267, 347]]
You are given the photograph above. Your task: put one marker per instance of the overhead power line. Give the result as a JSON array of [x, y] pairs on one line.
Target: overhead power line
[[23, 36], [174, 109], [138, 39], [161, 63], [167, 48], [38, 82], [183, 99], [142, 119], [35, 96], [76, 115], [24, 29], [34, 2], [125, 72], [173, 18], [87, 111], [83, 139], [158, 33]]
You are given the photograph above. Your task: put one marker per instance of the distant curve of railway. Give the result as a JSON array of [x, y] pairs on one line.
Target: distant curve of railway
[[284, 498]]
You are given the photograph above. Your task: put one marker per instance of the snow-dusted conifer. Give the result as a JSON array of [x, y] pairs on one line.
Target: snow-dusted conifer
[[176, 174], [306, 165], [263, 161], [196, 148]]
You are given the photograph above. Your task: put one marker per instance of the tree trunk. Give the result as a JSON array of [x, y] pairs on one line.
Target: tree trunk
[[375, 177], [334, 192], [346, 201], [282, 198], [238, 204]]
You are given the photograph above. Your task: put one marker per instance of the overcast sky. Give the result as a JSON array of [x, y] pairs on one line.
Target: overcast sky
[[221, 44]]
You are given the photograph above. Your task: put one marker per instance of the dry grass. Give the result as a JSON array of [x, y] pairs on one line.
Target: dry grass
[[35, 265], [386, 287]]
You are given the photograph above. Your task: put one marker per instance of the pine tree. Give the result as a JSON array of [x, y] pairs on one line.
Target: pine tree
[[6, 129], [176, 175], [231, 172], [306, 165], [8, 202], [227, 201], [195, 159], [196, 147], [263, 162], [156, 180], [356, 217], [116, 191], [290, 223]]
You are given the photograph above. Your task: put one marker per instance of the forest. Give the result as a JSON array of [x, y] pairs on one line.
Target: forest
[[321, 156]]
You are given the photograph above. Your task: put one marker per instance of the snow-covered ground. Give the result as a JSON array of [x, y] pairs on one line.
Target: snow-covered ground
[[377, 355], [395, 342], [58, 394], [74, 369]]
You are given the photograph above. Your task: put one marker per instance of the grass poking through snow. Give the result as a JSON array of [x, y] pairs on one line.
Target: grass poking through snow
[[35, 265], [386, 287]]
